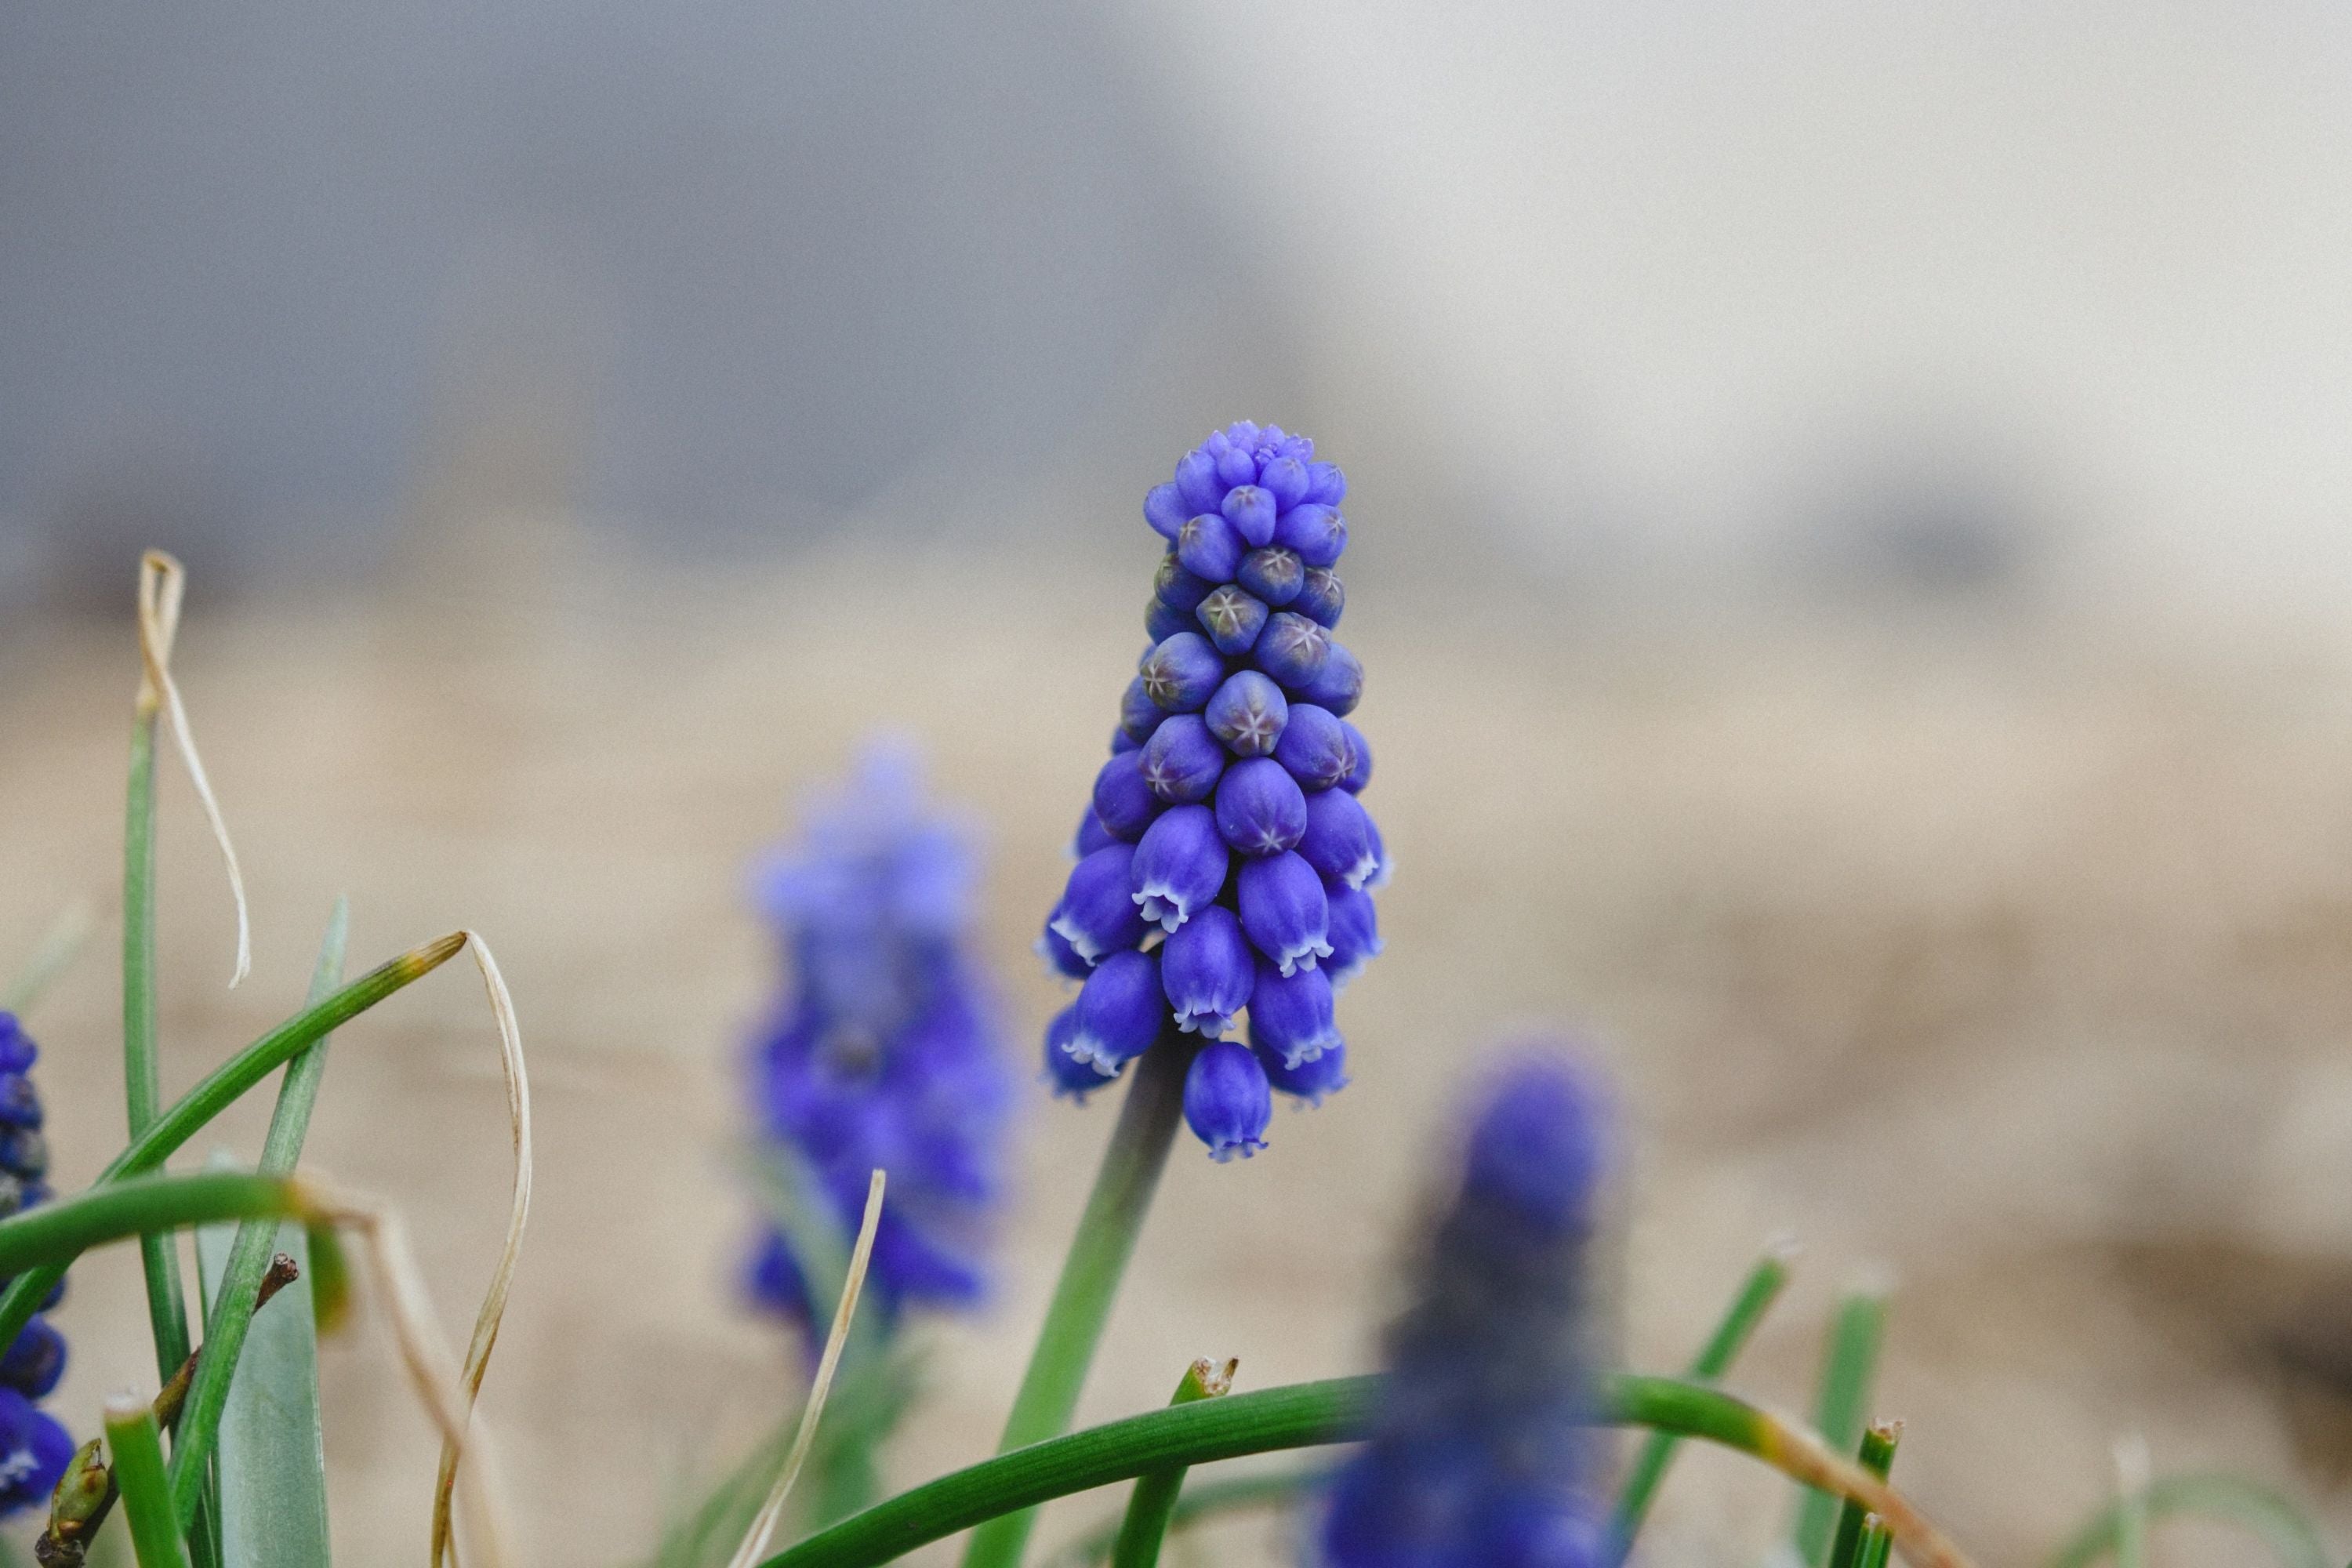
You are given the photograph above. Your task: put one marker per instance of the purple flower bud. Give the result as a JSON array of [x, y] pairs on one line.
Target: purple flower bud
[[1292, 650], [1322, 597], [1355, 933], [1248, 713], [1091, 836], [1120, 740], [1137, 714], [1226, 1100], [1161, 621], [1120, 1012], [1325, 483], [1315, 747], [1210, 548], [1290, 1014], [1122, 799], [1059, 955], [1180, 672], [1287, 481], [1097, 914], [1175, 587], [1183, 759], [1251, 510], [1196, 482], [1180, 867], [1260, 809], [1233, 618], [1165, 510], [1311, 1081], [34, 1361], [1235, 464], [1317, 532], [1338, 838], [1284, 911], [1360, 774], [1207, 970], [1066, 1073], [1339, 685], [1274, 575]]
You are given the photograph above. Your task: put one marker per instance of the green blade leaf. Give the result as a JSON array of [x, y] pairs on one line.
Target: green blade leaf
[[272, 1461], [52, 1235], [138, 1448], [1849, 1368], [142, 1092]]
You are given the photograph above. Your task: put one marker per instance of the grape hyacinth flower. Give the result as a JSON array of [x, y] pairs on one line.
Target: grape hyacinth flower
[[1225, 865], [1481, 1455], [34, 1448], [885, 1050]]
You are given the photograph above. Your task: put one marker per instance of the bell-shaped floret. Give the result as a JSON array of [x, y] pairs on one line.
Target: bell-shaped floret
[[1292, 649], [1316, 531], [1197, 485], [1227, 1102], [1123, 800], [1120, 1012], [1065, 1073], [1247, 714], [1183, 760], [1355, 933], [1338, 840], [1210, 548], [1284, 911], [1232, 619], [1208, 970], [1097, 914], [1180, 867], [1260, 807], [1250, 510], [1315, 748], [1290, 1014], [1059, 955], [1311, 1081], [1181, 670], [35, 1361]]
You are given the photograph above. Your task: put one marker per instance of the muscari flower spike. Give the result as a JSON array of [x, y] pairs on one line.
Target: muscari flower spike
[[886, 1049], [1482, 1454], [1225, 865], [34, 1448]]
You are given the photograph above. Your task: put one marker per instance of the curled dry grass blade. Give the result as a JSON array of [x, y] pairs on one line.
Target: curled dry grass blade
[[494, 1302], [755, 1539], [162, 583]]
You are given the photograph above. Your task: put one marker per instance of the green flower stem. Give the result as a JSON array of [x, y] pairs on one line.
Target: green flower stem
[[1757, 1294], [1090, 1275], [1849, 1366], [55, 1233], [2257, 1510], [142, 1090], [1208, 1499], [218, 1091], [1877, 1456], [1303, 1415], [1156, 1491], [231, 1316], [138, 1449]]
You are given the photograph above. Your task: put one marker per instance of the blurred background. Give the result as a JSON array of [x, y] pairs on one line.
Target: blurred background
[[1850, 550]]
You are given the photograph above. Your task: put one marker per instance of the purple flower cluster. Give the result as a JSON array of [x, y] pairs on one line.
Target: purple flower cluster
[[34, 1448], [1226, 862], [1482, 1456], [885, 1050]]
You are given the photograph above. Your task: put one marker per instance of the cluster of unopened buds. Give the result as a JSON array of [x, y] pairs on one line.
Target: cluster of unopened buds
[[1226, 863]]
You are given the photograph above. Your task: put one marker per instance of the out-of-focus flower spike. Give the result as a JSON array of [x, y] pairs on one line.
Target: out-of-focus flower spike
[[1180, 866], [1227, 1100], [1207, 971], [1097, 914], [1119, 1012]]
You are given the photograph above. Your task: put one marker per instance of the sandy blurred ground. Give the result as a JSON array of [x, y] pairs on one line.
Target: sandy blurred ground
[[2014, 962]]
